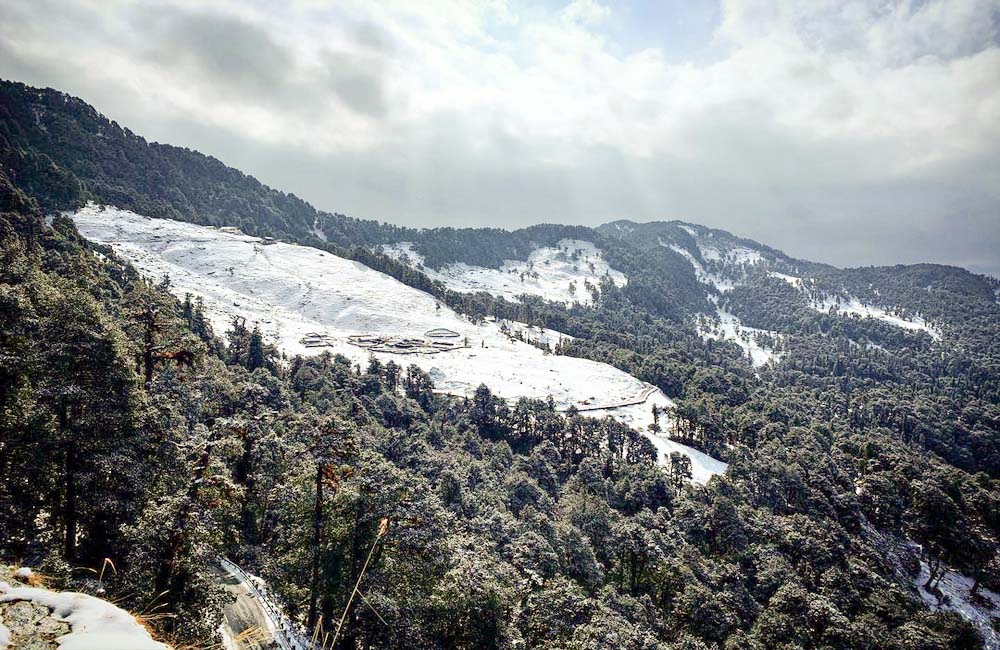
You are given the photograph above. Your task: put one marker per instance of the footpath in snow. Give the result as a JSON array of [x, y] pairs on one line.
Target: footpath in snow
[[308, 301]]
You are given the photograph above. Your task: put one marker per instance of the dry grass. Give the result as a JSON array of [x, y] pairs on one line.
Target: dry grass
[[253, 636], [34, 579]]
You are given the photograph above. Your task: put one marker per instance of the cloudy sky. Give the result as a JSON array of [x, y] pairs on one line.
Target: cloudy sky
[[851, 132]]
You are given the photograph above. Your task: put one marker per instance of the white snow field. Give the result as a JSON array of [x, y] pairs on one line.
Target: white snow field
[[301, 295], [730, 328], [94, 623], [549, 272], [853, 306], [793, 280]]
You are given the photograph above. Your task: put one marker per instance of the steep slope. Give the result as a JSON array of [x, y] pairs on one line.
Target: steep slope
[[571, 272], [61, 151], [308, 301]]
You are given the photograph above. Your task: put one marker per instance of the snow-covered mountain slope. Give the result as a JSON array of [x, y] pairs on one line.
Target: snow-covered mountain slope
[[569, 272], [725, 262], [714, 279], [307, 301], [851, 306], [717, 247], [756, 343]]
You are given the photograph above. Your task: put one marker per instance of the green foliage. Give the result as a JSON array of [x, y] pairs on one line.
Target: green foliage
[[509, 524]]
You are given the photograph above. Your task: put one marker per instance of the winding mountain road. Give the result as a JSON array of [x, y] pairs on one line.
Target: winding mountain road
[[249, 623]]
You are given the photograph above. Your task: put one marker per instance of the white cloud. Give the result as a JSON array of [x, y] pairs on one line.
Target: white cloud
[[811, 115], [587, 12]]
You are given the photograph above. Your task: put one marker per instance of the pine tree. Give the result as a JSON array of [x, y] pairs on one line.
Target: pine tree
[[256, 356]]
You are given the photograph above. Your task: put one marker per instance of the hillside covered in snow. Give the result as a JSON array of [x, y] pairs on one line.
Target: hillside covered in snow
[[308, 301], [570, 272]]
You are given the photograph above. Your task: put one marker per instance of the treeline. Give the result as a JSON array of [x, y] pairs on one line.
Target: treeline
[[63, 153]]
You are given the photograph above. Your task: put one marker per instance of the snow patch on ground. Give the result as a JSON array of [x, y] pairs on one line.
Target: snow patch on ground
[[298, 293], [853, 306], [730, 328], [95, 623], [640, 416], [549, 272], [703, 276], [743, 255], [710, 253], [955, 590], [790, 279]]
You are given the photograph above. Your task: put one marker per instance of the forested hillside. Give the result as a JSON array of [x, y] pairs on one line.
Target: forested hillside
[[864, 457]]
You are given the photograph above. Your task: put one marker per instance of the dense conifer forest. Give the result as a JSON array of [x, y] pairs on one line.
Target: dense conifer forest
[[130, 430]]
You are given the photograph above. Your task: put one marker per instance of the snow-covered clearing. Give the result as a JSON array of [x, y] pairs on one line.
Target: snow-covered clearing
[[94, 623], [560, 273], [955, 590], [790, 279], [741, 255], [640, 416], [730, 328], [717, 281], [300, 295], [853, 306]]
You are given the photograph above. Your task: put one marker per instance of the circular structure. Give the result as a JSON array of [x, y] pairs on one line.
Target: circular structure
[[441, 333]]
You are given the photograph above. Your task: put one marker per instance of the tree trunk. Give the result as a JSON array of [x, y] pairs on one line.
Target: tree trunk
[[933, 567], [69, 513], [975, 584], [69, 469], [244, 476], [147, 351], [317, 542]]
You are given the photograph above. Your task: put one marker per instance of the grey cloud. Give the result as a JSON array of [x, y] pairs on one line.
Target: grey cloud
[[371, 36], [357, 81], [225, 50], [830, 200], [237, 59]]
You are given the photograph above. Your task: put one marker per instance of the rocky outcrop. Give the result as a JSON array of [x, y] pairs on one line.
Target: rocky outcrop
[[35, 618]]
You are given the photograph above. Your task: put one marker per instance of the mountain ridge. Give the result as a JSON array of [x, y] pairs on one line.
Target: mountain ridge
[[32, 116]]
